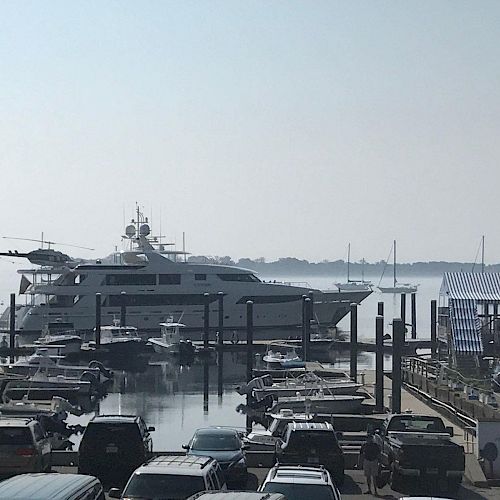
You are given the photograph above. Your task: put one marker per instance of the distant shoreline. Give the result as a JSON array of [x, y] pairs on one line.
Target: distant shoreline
[[291, 266]]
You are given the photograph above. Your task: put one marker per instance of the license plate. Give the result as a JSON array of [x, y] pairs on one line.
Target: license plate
[[111, 449], [432, 471], [312, 460]]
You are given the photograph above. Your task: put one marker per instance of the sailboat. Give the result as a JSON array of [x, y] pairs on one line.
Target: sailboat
[[396, 286], [353, 284]]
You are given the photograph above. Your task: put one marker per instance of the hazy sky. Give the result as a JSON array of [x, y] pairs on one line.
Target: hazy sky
[[260, 128]]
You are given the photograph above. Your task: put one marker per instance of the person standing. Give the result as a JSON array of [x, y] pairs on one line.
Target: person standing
[[369, 456]]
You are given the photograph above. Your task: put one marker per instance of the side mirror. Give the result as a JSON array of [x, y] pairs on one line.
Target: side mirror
[[151, 429], [114, 493], [450, 431], [339, 435], [185, 447]]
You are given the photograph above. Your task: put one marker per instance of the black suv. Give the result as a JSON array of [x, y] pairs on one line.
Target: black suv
[[312, 444], [113, 446]]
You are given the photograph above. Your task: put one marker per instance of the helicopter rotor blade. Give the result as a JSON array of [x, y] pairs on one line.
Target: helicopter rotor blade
[[47, 242]]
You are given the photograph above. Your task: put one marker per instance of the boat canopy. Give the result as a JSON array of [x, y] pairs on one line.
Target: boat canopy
[[480, 287]]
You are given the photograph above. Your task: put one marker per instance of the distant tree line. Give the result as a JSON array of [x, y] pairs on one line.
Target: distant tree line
[[297, 267]]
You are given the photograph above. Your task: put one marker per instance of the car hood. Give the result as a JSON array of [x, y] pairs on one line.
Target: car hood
[[223, 457]]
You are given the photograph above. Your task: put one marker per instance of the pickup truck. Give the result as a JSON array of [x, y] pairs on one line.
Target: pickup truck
[[419, 447]]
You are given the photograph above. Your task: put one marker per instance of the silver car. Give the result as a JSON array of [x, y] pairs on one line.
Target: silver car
[[24, 447]]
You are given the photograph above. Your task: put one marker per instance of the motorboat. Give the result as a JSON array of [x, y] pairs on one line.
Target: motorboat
[[170, 337], [309, 383], [158, 282], [276, 359], [53, 366], [42, 386], [68, 342], [121, 341], [265, 439], [320, 403]]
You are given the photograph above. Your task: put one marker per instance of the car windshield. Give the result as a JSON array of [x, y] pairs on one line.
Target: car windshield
[[416, 424], [213, 441], [163, 486], [301, 491], [15, 436]]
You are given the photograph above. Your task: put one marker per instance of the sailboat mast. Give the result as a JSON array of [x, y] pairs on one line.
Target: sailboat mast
[[394, 263], [348, 260], [482, 254]]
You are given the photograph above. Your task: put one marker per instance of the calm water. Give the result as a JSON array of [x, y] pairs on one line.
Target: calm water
[[177, 401]]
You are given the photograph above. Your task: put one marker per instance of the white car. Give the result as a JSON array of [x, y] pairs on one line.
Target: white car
[[297, 482]]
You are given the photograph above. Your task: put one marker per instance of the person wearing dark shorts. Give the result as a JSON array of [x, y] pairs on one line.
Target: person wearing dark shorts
[[369, 456]]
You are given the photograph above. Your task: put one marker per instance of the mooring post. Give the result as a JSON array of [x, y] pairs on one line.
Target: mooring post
[[304, 297], [97, 320], [380, 308], [403, 309], [413, 315], [354, 342], [433, 329], [12, 325], [311, 312], [379, 364], [220, 373], [123, 309], [220, 297], [205, 386], [249, 340], [206, 319], [307, 329], [398, 336]]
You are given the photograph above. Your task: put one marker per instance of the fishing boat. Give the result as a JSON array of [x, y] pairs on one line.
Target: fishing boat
[[396, 286], [67, 342], [170, 337], [350, 284], [122, 341]]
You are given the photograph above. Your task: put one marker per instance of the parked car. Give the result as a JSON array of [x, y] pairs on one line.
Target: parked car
[[24, 447], [307, 443], [298, 482], [172, 477], [419, 447], [113, 446], [226, 446], [236, 495], [51, 487]]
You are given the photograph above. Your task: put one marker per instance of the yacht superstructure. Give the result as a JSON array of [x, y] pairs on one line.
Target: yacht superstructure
[[157, 285]]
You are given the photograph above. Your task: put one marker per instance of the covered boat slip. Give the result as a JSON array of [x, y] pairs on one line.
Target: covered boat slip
[[469, 321]]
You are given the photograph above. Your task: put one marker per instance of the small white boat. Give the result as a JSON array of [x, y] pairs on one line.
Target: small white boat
[[275, 359], [306, 384], [121, 341], [354, 285], [170, 339], [51, 365], [68, 341], [319, 403], [265, 439]]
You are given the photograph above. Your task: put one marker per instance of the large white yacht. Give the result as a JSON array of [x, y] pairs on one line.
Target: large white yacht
[[159, 284]]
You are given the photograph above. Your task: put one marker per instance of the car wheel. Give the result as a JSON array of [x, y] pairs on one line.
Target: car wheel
[[396, 480]]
